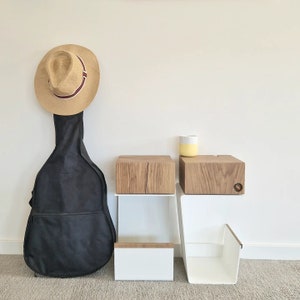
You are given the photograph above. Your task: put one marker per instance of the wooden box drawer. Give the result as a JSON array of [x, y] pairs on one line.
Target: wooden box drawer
[[212, 175], [145, 175]]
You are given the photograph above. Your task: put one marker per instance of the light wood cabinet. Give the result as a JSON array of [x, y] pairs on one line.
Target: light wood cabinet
[[212, 175], [145, 175]]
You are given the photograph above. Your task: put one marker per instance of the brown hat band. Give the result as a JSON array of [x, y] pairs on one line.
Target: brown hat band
[[84, 76]]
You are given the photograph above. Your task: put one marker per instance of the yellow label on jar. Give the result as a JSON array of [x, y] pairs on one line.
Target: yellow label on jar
[[188, 149]]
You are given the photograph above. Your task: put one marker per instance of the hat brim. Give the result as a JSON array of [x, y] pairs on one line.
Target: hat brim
[[77, 103]]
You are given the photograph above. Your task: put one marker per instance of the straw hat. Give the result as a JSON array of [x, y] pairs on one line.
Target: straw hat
[[67, 79]]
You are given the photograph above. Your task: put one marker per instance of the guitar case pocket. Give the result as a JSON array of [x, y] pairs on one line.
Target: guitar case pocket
[[77, 246]]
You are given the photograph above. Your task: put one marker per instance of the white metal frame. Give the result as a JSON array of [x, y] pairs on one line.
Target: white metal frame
[[138, 261], [208, 259]]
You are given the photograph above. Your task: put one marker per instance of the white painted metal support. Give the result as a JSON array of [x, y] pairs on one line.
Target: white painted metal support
[[147, 228], [211, 254]]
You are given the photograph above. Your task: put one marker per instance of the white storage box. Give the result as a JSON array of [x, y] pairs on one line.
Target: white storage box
[[143, 261]]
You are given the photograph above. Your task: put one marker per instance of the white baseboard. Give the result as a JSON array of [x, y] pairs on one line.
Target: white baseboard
[[277, 251], [16, 247], [11, 247]]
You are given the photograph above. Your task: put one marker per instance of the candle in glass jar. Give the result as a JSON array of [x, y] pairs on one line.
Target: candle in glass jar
[[188, 145]]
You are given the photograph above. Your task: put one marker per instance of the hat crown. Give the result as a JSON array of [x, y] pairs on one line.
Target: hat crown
[[64, 72]]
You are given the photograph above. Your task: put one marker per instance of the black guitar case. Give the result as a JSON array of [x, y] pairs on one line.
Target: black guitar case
[[69, 230]]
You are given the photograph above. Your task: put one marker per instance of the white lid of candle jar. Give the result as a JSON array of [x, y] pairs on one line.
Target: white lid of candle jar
[[188, 139]]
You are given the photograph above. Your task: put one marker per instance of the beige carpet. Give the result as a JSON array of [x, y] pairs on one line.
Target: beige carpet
[[258, 279]]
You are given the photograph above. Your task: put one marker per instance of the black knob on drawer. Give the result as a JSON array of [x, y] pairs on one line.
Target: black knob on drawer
[[238, 187]]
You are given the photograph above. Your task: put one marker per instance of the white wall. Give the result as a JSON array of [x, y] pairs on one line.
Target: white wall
[[225, 70]]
